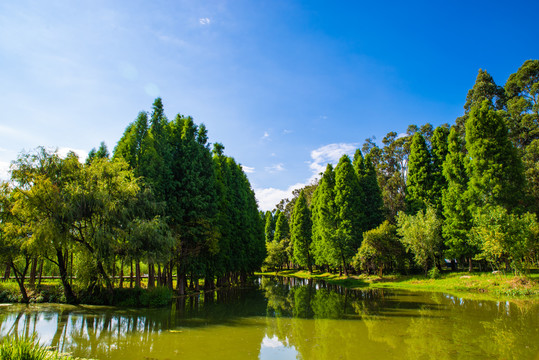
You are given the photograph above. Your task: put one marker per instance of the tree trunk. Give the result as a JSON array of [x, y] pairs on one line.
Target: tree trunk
[[470, 265], [7, 272], [137, 275], [68, 291], [33, 271], [20, 279], [170, 283], [121, 284], [40, 272], [180, 281], [159, 279], [131, 274], [151, 278]]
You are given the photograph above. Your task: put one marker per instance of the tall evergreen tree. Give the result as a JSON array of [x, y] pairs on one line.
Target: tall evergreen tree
[[439, 151], [457, 221], [496, 174], [269, 227], [418, 181], [282, 229], [324, 220], [301, 232], [349, 214]]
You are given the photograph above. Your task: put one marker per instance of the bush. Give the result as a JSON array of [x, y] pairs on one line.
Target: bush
[[434, 273]]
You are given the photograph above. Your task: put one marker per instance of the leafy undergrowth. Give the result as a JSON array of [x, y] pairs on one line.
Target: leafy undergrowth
[[469, 285]]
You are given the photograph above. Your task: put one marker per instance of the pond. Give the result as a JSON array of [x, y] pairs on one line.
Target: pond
[[280, 318]]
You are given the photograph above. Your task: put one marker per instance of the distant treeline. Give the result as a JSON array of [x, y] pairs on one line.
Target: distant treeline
[[164, 201], [467, 193]]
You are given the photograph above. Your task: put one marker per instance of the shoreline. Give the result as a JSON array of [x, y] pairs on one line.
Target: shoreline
[[475, 285]]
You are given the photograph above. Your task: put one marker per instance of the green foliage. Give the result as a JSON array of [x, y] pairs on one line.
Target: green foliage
[[531, 165], [439, 145], [282, 229], [419, 179], [456, 201], [276, 254], [380, 249], [349, 214], [27, 348], [301, 232], [496, 174], [421, 234], [324, 220], [506, 239], [371, 195], [434, 273]]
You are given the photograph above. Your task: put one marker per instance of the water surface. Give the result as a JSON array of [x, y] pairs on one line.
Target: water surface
[[279, 318]]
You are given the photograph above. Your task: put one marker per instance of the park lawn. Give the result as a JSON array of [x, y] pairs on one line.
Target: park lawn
[[473, 285]]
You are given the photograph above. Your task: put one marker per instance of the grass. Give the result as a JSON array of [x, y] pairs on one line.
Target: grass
[[28, 348], [468, 285]]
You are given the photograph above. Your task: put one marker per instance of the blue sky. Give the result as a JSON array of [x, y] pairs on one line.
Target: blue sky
[[286, 86]]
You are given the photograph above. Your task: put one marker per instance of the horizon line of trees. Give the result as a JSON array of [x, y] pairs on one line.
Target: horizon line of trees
[[467, 193], [164, 200]]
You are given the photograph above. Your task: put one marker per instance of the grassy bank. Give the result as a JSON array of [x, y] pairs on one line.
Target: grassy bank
[[464, 284], [21, 348]]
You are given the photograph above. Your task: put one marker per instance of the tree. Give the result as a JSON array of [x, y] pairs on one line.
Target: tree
[[301, 232], [496, 174], [456, 201], [371, 196], [282, 229], [380, 249], [522, 91], [270, 222], [420, 234], [506, 239], [484, 89], [349, 215], [324, 220], [439, 150], [418, 181]]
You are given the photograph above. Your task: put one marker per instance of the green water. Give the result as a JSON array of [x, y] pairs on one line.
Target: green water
[[289, 319]]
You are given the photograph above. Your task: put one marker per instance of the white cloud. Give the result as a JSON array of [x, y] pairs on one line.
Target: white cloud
[[265, 136], [4, 170], [275, 168], [82, 154], [286, 131], [248, 169], [269, 197], [329, 154], [272, 343], [204, 21]]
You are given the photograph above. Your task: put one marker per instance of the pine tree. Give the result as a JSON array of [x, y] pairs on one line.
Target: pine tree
[[373, 203], [269, 228], [282, 230], [301, 232], [418, 181]]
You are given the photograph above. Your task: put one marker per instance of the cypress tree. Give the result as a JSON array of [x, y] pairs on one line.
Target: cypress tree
[[418, 181], [324, 222], [439, 153], [349, 214], [282, 229], [496, 174], [301, 232], [373, 204], [455, 200]]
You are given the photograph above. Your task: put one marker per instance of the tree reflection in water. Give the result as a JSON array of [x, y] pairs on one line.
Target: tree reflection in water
[[315, 319]]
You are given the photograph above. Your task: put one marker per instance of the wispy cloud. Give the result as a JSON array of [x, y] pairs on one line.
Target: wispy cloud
[[4, 170], [275, 168], [329, 154], [286, 131], [204, 21], [248, 169], [265, 136]]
